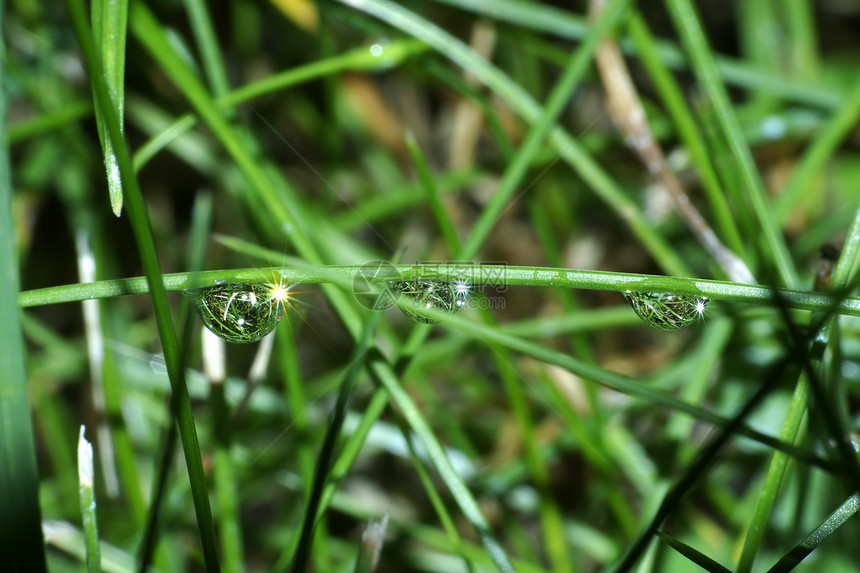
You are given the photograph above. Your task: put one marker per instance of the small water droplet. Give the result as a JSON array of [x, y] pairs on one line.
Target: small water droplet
[[240, 313], [666, 311], [773, 127], [449, 297], [384, 57], [157, 364]]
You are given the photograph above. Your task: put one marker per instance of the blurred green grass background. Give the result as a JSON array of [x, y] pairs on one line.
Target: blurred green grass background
[[331, 134]]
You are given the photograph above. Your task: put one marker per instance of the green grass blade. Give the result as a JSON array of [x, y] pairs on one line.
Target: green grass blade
[[565, 416], [697, 468], [621, 384], [326, 455], [802, 42], [226, 486], [152, 35], [811, 542], [797, 409], [21, 542], [352, 447], [555, 542], [387, 379], [810, 165], [49, 121], [355, 60], [846, 267], [436, 500], [348, 454], [568, 148], [109, 19], [378, 207], [774, 478], [264, 184], [514, 276], [563, 24], [763, 51], [697, 384], [448, 524], [690, 29], [88, 503], [215, 368], [126, 462], [207, 43], [682, 116], [692, 554], [542, 124], [149, 539], [298, 403], [137, 213], [434, 197], [195, 259], [65, 538]]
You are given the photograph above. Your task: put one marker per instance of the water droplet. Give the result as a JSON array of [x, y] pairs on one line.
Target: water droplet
[[157, 364], [240, 313], [773, 127], [385, 58], [666, 311], [449, 297]]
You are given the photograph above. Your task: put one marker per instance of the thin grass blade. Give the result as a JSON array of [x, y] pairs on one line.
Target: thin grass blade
[[693, 554], [811, 542], [689, 27], [21, 542], [568, 148], [139, 219], [88, 503], [333, 433], [109, 19]]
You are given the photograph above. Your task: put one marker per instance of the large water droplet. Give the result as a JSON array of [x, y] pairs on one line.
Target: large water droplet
[[666, 311], [240, 313], [446, 296]]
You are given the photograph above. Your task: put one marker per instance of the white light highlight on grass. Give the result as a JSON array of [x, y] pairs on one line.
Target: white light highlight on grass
[[85, 460]]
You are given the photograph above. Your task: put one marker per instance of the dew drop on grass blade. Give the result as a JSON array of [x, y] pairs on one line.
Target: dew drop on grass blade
[[445, 296], [240, 313], [666, 311]]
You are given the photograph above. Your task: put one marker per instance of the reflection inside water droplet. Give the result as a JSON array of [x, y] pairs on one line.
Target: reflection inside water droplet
[[666, 311], [240, 313], [445, 296]]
